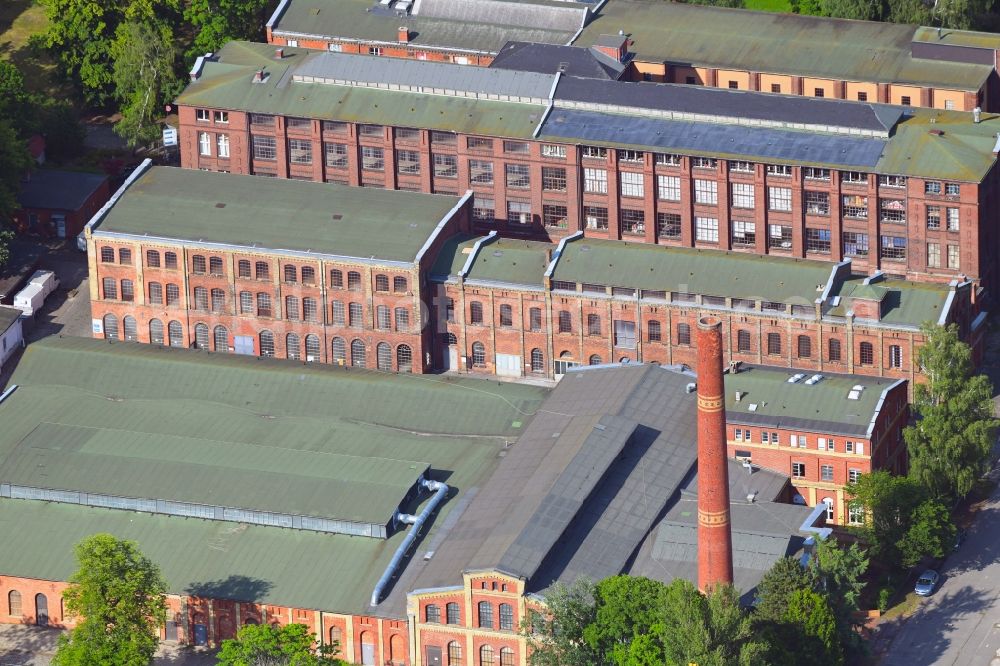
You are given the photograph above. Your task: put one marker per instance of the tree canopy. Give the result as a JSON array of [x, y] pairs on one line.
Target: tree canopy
[[950, 443], [119, 596], [268, 645], [220, 21]]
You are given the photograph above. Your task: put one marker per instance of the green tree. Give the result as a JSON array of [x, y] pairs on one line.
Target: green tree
[[838, 571], [144, 77], [931, 533], [15, 162], [950, 443], [626, 607], [80, 34], [267, 645], [557, 639], [784, 578], [221, 21], [119, 595], [811, 616], [865, 10]]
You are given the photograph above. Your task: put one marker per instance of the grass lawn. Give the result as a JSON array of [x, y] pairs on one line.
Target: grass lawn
[[769, 5], [19, 19]]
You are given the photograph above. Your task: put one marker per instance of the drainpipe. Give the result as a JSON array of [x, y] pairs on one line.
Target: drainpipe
[[440, 491]]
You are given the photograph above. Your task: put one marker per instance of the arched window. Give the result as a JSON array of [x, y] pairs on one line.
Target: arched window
[[173, 294], [338, 350], [486, 656], [478, 354], [432, 613], [125, 256], [221, 336], [454, 653], [152, 258], [399, 284], [537, 360], [833, 350], [215, 265], [535, 319], [383, 317], [155, 293], [485, 615], [653, 331], [506, 316], [309, 309], [804, 346], [506, 617], [218, 300], [336, 278], [867, 355], [201, 336], [773, 343], [176, 334], [201, 299], [506, 656], [266, 339], [565, 322], [367, 647], [336, 636], [354, 280], [475, 312], [594, 360], [358, 354], [383, 357], [355, 315], [683, 334], [291, 308], [155, 332], [402, 320], [131, 328], [243, 267], [14, 603], [404, 358], [312, 347], [170, 259], [743, 341], [454, 613], [263, 304], [110, 327], [291, 274], [246, 302], [41, 610], [198, 264], [593, 324], [308, 275], [381, 283], [262, 270], [293, 347], [110, 289], [107, 255]]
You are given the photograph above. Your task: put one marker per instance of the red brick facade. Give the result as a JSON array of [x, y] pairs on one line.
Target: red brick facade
[[923, 230], [402, 49]]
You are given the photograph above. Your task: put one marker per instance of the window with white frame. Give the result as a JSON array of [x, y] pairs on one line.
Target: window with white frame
[[779, 170], [853, 475], [518, 212], [595, 181], [857, 177], [222, 145], [951, 189], [780, 198], [372, 159], [553, 150], [706, 192], [951, 218], [264, 148], [855, 514], [300, 151], [779, 236], [814, 173], [740, 166], [668, 188], [204, 143], [518, 176], [632, 184], [817, 203], [667, 159], [704, 162], [595, 217], [481, 172], [953, 257], [934, 255], [743, 196], [336, 155], [203, 115], [633, 156], [744, 233], [595, 152], [706, 229]]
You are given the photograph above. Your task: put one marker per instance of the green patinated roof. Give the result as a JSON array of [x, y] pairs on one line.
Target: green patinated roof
[[905, 303], [709, 272], [351, 20], [776, 42], [868, 291], [505, 260], [963, 151], [183, 204], [983, 40], [822, 407], [275, 426], [227, 85]]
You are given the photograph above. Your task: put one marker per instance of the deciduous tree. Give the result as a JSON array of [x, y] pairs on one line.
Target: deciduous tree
[[220, 21], [119, 596], [267, 645], [557, 639], [144, 77]]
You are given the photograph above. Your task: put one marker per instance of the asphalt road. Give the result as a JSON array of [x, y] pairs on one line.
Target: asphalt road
[[960, 623]]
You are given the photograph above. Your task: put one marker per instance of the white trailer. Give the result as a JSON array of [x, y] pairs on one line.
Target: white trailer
[[48, 281], [29, 299]]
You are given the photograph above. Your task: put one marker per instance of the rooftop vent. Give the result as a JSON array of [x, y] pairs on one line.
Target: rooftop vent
[[690, 388], [854, 395], [815, 379], [279, 54], [260, 76], [220, 205], [857, 387], [338, 216], [977, 115], [796, 378], [739, 395], [936, 132], [752, 407]]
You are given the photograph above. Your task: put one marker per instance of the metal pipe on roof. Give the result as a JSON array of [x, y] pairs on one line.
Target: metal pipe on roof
[[440, 492]]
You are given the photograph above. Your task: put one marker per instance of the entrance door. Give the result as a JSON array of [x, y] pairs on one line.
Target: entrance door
[[201, 634], [449, 356], [60, 222], [170, 631], [41, 610], [368, 653], [243, 344], [433, 655]]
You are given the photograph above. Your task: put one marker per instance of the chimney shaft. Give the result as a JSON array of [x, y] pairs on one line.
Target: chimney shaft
[[715, 539], [403, 35]]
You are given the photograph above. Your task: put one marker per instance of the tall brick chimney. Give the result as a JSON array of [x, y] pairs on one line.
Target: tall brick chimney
[[715, 537]]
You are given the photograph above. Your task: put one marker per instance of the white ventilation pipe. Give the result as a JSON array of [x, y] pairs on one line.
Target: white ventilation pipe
[[440, 491]]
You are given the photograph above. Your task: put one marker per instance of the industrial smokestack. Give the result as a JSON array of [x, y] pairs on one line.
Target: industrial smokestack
[[715, 537]]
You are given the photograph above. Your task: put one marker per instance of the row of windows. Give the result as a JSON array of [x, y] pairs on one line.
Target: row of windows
[[432, 614], [15, 607], [486, 655], [799, 441], [825, 472]]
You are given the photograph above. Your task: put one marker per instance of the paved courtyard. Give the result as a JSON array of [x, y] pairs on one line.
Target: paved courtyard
[[25, 645]]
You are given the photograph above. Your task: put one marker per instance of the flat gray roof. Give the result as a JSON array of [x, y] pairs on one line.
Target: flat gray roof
[[58, 190]]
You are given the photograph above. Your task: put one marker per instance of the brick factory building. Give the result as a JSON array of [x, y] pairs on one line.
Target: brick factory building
[[223, 467], [910, 192], [823, 430], [669, 42], [294, 270]]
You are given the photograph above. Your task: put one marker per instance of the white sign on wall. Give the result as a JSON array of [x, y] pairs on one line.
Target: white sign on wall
[[98, 326], [169, 136]]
